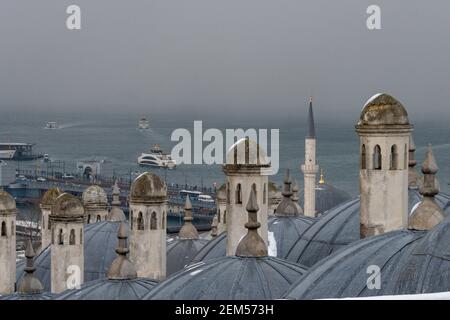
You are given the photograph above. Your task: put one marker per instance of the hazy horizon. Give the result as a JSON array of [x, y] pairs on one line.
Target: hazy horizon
[[253, 59]]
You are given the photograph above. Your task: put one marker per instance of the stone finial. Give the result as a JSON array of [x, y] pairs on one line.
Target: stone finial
[[428, 213], [252, 245], [188, 230], [295, 197], [287, 206], [287, 192], [122, 268], [116, 194], [116, 213], [30, 284], [413, 175], [214, 224]]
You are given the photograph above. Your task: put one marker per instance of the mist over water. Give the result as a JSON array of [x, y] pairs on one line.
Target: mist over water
[[115, 137]]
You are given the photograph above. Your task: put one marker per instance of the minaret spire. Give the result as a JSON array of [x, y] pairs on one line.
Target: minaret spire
[[310, 168]]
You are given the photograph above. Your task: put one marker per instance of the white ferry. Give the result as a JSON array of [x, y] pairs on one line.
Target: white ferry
[[51, 125], [156, 158]]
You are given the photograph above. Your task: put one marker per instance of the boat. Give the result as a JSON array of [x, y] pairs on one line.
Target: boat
[[143, 124], [46, 158], [156, 158], [18, 151], [51, 125]]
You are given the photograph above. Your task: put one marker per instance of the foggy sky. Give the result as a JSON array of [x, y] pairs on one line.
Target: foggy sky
[[224, 56]]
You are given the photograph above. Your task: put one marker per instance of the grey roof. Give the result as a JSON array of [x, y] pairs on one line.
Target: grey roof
[[283, 231], [344, 273], [230, 278], [100, 240], [106, 289], [180, 253], [311, 133], [24, 296], [410, 262], [327, 197], [341, 226]]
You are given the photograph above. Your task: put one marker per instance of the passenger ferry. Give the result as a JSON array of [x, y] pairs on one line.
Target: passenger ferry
[[18, 151], [51, 125], [156, 158], [143, 124]]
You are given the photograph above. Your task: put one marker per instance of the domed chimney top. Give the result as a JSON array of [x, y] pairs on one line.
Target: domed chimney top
[[148, 188], [383, 110]]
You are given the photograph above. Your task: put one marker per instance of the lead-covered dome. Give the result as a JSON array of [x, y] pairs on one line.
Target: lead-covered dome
[[94, 195], [383, 109], [409, 262], [148, 187], [230, 278]]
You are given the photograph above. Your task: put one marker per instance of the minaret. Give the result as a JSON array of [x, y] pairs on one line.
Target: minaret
[[221, 203], [310, 168], [384, 133], [46, 204], [428, 214], [148, 217], [245, 170], [30, 284], [188, 230], [8, 212], [67, 249], [413, 175], [95, 201], [252, 244]]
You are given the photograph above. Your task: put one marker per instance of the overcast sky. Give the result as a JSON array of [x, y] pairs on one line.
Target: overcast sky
[[224, 56]]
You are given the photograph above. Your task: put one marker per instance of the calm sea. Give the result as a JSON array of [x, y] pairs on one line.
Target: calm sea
[[115, 137]]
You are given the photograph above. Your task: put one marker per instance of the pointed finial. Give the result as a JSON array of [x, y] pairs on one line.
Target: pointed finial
[[429, 166], [428, 213], [322, 180], [188, 230], [122, 268], [30, 284], [252, 245], [311, 133], [287, 184]]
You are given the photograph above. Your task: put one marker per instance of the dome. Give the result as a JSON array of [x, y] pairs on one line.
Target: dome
[[410, 262], [339, 227], [247, 152], [230, 278], [7, 203], [345, 273], [283, 233], [67, 205], [94, 195], [116, 214], [106, 289], [148, 187], [383, 109], [50, 196], [99, 252], [180, 253]]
